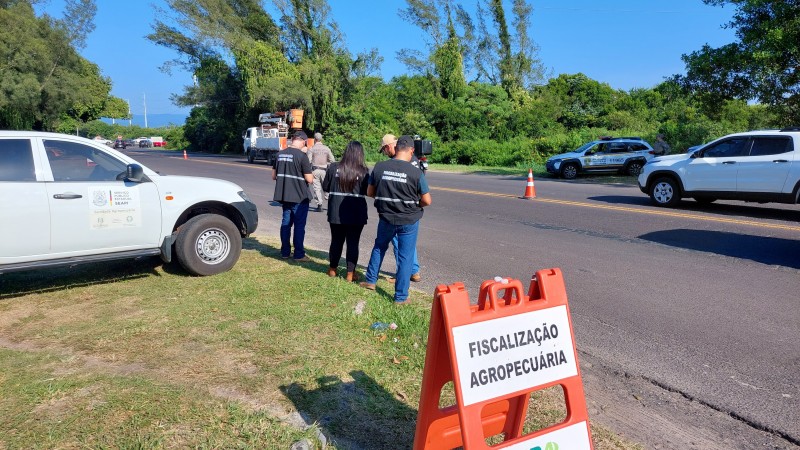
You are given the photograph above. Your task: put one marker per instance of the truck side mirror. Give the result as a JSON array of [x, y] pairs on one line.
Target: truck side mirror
[[134, 173]]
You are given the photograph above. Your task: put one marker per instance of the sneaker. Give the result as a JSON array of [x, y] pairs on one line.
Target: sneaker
[[366, 285], [416, 278], [303, 259]]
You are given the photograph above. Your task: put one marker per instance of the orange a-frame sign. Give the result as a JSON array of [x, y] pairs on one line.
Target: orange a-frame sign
[[496, 353]]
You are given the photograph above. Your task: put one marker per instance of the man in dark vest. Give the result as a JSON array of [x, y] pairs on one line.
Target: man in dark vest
[[400, 193], [292, 174]]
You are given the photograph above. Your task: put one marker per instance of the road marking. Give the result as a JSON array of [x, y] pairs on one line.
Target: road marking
[[664, 213]]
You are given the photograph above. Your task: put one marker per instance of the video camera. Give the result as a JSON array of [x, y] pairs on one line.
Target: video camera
[[422, 148]]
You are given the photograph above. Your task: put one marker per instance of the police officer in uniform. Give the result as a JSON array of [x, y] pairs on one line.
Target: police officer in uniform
[[293, 174], [400, 193]]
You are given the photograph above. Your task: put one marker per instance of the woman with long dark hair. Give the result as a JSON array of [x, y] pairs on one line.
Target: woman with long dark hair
[[346, 183]]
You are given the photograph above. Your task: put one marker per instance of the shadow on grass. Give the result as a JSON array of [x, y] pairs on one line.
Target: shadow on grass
[[18, 284], [271, 251], [360, 414]]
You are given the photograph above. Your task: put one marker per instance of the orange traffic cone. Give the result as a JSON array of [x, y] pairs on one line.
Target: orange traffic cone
[[530, 189], [185, 156]]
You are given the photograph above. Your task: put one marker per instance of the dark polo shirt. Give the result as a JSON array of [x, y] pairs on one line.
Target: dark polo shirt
[[398, 188], [290, 185]]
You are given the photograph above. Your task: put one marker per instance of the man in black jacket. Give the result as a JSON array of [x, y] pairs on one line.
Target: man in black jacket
[[292, 174], [400, 193]]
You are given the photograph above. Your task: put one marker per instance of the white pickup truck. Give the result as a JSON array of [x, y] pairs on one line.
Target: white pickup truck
[[66, 200]]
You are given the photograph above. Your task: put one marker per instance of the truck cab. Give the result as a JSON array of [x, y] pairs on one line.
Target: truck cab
[[74, 200]]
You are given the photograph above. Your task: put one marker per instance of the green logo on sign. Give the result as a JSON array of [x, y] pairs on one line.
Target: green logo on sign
[[549, 446]]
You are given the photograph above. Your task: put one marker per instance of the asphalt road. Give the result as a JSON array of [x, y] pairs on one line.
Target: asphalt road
[[700, 302]]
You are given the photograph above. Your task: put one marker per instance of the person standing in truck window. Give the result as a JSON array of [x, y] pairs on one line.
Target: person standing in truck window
[[346, 184], [320, 156], [292, 174]]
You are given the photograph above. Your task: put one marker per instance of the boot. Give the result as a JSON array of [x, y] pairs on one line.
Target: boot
[[351, 276], [331, 272]]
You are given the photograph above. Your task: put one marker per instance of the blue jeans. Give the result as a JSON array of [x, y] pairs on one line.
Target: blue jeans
[[414, 265], [294, 214], [406, 243]]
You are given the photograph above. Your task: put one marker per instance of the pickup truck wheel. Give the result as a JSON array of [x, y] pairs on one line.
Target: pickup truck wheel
[[634, 168], [569, 171], [250, 156], [208, 244], [665, 192]]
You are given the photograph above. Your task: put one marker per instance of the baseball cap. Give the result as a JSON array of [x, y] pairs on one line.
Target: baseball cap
[[317, 136], [300, 135], [388, 139], [405, 142]]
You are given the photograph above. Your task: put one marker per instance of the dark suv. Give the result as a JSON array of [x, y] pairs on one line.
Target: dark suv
[[120, 143]]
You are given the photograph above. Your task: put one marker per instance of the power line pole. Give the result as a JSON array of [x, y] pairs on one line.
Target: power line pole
[[144, 96]]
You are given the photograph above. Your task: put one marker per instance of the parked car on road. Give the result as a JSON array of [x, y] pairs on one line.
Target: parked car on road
[[145, 143], [74, 201], [757, 166], [158, 141], [120, 143], [623, 154]]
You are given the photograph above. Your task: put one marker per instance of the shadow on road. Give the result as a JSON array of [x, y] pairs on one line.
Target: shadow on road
[[724, 209], [360, 414], [765, 250]]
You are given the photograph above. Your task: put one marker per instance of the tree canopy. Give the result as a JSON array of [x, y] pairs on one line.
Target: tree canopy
[[763, 65], [45, 84]]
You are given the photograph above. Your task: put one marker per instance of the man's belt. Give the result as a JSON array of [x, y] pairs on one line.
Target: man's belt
[[319, 167]]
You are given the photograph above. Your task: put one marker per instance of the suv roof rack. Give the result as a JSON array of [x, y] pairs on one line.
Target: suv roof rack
[[632, 138], [787, 129]]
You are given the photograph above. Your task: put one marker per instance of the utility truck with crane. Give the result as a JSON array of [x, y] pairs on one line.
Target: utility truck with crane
[[271, 136]]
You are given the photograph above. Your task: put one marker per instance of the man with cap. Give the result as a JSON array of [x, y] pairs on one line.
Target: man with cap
[[400, 192], [292, 174], [320, 156], [388, 144], [661, 147]]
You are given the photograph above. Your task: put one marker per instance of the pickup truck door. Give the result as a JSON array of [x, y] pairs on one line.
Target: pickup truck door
[[716, 168], [766, 168], [91, 211], [24, 209]]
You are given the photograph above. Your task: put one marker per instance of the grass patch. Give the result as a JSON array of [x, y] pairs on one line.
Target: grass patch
[[140, 355], [538, 169]]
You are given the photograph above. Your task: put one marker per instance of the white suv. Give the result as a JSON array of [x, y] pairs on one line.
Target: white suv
[[757, 166], [66, 200]]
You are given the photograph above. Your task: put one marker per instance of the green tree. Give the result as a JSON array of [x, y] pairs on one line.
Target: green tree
[[764, 63], [44, 79], [448, 65]]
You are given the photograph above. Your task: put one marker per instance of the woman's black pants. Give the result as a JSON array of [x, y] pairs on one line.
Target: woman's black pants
[[339, 235]]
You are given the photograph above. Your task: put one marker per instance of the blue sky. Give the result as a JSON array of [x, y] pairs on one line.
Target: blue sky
[[625, 43]]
